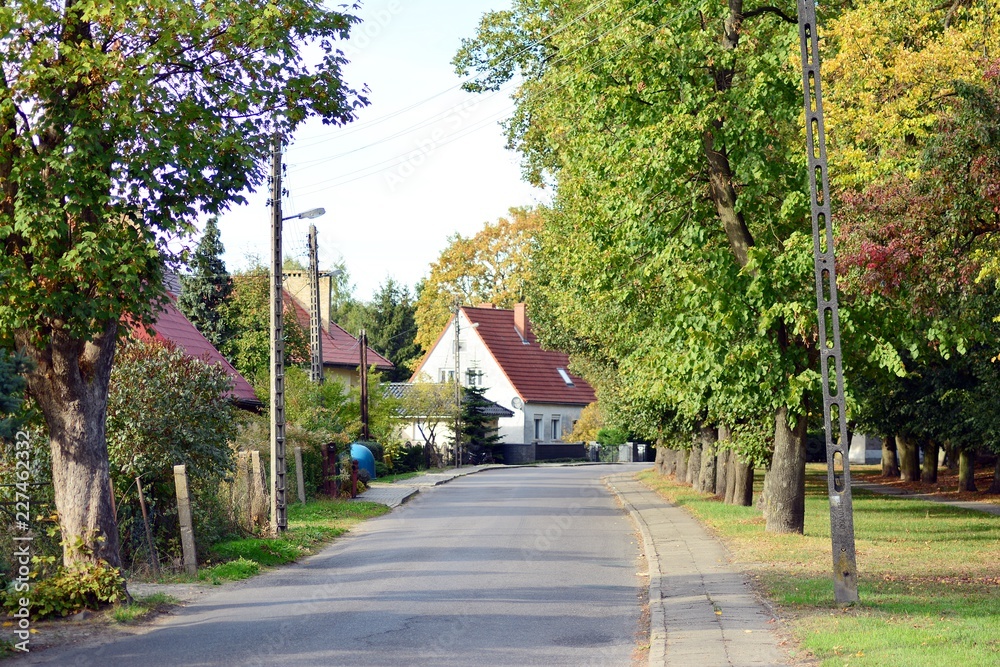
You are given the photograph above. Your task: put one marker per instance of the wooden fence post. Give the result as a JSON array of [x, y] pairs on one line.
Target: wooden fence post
[[184, 515], [154, 559]]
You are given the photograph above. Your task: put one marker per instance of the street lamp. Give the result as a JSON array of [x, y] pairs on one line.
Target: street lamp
[[279, 518], [307, 215]]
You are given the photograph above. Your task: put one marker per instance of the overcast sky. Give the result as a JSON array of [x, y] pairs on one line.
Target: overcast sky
[[424, 161]]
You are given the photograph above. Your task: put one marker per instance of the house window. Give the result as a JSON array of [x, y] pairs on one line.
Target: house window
[[446, 375], [538, 427], [565, 376], [556, 427], [474, 378]]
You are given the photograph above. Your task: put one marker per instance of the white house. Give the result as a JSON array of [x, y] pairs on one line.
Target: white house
[[498, 351]]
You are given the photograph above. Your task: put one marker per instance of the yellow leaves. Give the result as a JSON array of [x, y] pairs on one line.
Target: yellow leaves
[[890, 80]]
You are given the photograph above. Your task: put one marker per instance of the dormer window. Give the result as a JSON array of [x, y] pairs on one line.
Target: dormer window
[[565, 376]]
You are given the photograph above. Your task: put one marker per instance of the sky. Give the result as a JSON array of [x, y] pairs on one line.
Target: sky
[[425, 160]]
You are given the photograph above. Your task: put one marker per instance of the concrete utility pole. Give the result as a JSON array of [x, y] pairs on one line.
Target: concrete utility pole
[[845, 568], [315, 339], [458, 386], [279, 520], [363, 369]]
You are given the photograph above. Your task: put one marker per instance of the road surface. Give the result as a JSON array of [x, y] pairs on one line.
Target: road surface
[[528, 566]]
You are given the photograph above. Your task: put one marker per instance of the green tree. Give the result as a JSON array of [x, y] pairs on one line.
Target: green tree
[[247, 315], [204, 292], [478, 432], [12, 387], [677, 253], [494, 266], [119, 123], [164, 409], [389, 321]]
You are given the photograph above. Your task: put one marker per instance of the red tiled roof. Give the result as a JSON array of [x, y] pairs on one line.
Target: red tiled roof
[[529, 368], [339, 347], [173, 327]]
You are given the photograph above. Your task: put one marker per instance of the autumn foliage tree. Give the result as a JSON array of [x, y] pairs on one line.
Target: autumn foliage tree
[[494, 266], [120, 123]]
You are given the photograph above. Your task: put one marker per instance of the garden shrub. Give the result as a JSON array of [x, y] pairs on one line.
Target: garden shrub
[[82, 585]]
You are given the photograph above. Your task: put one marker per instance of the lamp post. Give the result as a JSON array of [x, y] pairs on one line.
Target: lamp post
[[279, 517]]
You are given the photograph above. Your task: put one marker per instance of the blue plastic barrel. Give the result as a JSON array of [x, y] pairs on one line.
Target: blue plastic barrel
[[364, 457]]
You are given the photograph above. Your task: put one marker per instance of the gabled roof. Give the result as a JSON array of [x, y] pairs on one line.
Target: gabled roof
[[173, 327], [401, 389], [339, 347], [534, 372]]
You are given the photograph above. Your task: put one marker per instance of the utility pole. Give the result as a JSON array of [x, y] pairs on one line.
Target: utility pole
[[315, 340], [458, 386], [845, 568], [363, 369], [279, 521]]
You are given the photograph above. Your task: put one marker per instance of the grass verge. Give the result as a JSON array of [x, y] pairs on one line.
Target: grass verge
[[398, 477], [310, 527], [141, 607], [928, 576]]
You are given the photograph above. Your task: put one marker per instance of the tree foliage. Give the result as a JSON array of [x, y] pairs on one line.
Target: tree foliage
[[120, 123], [478, 430], [246, 314], [494, 266], [204, 292], [12, 390]]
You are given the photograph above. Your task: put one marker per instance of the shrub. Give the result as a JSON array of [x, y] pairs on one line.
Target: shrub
[[612, 436], [164, 409], [83, 585]]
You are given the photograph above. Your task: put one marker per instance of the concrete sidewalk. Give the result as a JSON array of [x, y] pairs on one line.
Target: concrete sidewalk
[[397, 493], [703, 612]]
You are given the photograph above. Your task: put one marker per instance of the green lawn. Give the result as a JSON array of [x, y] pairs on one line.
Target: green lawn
[[929, 576], [310, 527]]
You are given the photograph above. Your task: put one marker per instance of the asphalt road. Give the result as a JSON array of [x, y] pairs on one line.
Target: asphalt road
[[530, 566]]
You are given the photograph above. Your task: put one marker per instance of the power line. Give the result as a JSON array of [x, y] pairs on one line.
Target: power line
[[366, 124], [401, 159]]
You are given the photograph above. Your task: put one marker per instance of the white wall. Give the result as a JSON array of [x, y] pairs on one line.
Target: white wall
[[474, 354]]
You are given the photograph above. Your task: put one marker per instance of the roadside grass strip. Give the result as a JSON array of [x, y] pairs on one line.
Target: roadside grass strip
[[310, 527], [929, 575]]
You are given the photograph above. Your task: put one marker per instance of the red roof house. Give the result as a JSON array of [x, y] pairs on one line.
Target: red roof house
[[341, 350], [498, 351], [173, 327]]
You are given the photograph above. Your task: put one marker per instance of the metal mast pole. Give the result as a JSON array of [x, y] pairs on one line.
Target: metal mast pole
[[278, 518], [315, 341], [845, 569], [458, 387], [363, 340]]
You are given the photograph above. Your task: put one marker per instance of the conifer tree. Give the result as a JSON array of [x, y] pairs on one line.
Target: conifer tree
[[208, 288]]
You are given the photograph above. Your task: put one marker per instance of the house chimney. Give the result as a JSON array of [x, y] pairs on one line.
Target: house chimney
[[521, 320]]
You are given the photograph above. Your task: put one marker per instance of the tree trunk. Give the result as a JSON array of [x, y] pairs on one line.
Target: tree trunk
[[785, 505], [706, 475], [951, 456], [661, 457], [680, 469], [722, 472], [995, 486], [909, 464], [929, 469], [694, 465], [70, 384], [732, 464], [672, 457], [741, 474], [967, 470], [890, 464]]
